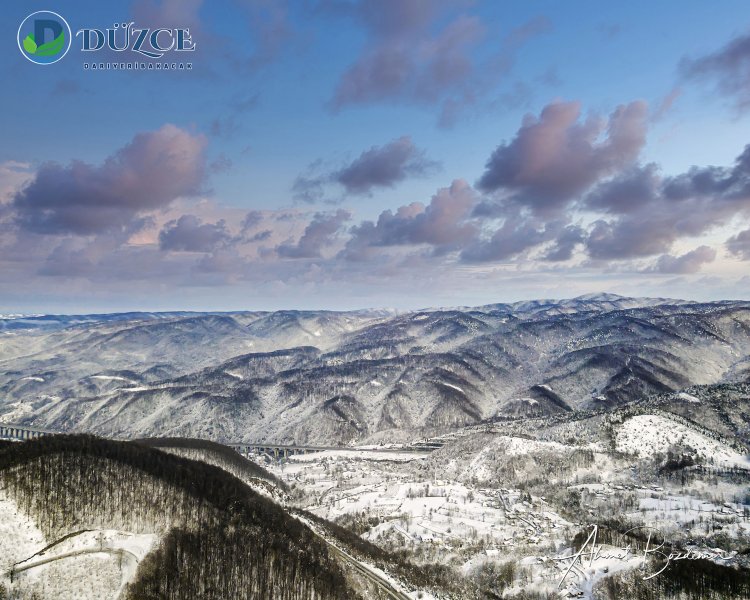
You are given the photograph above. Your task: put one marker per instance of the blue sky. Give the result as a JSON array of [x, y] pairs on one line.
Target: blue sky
[[342, 154]]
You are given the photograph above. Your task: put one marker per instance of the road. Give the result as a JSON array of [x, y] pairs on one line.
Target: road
[[44, 561], [364, 570]]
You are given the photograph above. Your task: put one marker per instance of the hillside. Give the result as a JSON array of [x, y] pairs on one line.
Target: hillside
[[493, 513], [211, 536], [321, 378]]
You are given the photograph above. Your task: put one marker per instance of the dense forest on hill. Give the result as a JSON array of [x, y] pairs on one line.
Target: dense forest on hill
[[220, 538], [216, 454]]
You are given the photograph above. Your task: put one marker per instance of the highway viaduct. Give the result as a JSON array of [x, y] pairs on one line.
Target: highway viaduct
[[12, 431]]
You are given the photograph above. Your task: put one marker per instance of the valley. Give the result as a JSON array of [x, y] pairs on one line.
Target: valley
[[557, 449]]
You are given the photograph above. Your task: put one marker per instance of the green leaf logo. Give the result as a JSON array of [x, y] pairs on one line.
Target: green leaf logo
[[44, 37], [29, 44], [51, 48]]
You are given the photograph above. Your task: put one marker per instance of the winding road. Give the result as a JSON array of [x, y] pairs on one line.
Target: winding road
[[386, 586]]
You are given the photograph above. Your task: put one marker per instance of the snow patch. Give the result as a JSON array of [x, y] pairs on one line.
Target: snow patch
[[688, 398], [450, 385]]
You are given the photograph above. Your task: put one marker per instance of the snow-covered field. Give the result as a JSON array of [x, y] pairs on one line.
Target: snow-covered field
[[90, 565], [448, 514], [374, 455]]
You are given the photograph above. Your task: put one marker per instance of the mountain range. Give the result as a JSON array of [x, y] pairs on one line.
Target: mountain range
[[369, 376]]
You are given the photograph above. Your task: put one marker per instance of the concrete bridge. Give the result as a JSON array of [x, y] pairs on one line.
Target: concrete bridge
[[275, 450], [11, 431]]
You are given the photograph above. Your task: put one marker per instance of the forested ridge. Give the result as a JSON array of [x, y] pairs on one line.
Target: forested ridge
[[221, 456], [220, 538]]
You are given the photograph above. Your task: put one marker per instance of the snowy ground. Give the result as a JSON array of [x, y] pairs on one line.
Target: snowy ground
[[91, 565], [452, 508], [440, 519], [19, 537], [448, 507]]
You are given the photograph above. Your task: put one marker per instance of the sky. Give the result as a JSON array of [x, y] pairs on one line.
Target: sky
[[343, 154]]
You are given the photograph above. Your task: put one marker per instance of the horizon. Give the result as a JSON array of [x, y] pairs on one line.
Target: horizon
[[594, 297]]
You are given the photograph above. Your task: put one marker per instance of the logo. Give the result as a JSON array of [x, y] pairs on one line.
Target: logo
[[44, 37]]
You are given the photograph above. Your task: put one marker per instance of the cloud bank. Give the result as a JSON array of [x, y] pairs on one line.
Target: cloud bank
[[568, 192]]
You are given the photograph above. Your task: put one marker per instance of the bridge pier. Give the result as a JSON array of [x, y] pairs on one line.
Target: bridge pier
[[19, 432]]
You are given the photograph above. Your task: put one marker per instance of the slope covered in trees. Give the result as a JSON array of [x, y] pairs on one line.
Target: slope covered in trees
[[215, 454], [320, 378], [220, 538]]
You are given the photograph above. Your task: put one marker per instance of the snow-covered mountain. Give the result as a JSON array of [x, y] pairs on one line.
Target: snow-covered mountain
[[366, 376]]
